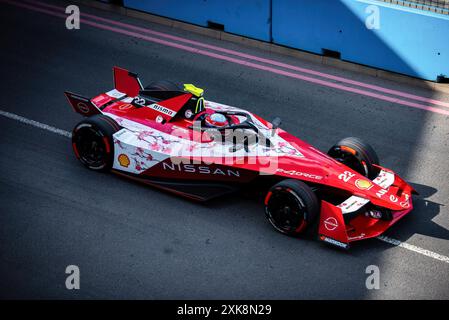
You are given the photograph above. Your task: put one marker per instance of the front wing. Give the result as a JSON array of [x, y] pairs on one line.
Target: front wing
[[339, 228]]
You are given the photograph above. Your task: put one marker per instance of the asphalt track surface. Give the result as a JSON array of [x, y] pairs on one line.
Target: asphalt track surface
[[132, 241]]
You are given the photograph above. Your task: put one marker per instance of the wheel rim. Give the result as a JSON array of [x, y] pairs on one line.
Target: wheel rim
[[350, 160], [285, 211], [91, 147]]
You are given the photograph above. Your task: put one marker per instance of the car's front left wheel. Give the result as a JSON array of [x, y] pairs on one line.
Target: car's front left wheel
[[92, 142], [291, 206]]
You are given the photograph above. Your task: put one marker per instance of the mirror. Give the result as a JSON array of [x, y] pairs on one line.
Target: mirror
[[276, 123]]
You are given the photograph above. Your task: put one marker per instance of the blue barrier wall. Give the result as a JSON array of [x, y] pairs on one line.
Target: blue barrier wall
[[250, 18], [409, 41]]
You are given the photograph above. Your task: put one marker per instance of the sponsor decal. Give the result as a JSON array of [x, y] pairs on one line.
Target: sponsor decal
[[393, 199], [139, 101], [101, 100], [83, 107], [331, 223], [125, 106], [127, 100], [363, 184], [162, 109], [346, 176], [123, 160], [202, 169], [117, 135], [335, 242], [406, 203], [352, 204], [300, 174], [115, 94], [381, 192], [361, 236], [159, 119], [384, 179]]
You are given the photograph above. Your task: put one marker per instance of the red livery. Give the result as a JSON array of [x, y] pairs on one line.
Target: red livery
[[170, 137]]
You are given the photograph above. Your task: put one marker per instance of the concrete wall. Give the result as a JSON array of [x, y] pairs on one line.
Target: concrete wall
[[250, 18], [408, 41]]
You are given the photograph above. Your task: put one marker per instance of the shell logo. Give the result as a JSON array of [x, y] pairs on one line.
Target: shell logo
[[123, 160], [363, 184]]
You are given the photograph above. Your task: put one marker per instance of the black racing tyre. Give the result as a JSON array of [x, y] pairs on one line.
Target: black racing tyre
[[291, 206], [92, 142], [162, 85], [357, 155]]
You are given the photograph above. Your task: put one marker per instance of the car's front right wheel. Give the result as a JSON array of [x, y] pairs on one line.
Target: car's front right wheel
[[291, 206], [356, 154]]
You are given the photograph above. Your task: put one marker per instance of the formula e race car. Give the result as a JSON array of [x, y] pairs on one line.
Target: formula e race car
[[169, 136]]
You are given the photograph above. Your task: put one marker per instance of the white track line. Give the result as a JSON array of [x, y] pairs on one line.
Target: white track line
[[36, 124], [413, 248], [389, 240]]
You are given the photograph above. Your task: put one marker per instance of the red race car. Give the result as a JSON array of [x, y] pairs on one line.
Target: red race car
[[170, 137]]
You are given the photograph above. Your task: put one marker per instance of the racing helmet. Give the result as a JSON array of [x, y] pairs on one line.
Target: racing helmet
[[216, 120]]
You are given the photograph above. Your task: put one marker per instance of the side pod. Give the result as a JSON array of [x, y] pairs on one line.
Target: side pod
[[332, 228]]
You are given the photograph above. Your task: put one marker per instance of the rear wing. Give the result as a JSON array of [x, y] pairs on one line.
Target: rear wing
[[81, 105], [126, 82]]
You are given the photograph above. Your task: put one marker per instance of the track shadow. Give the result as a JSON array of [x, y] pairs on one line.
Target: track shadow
[[420, 220]]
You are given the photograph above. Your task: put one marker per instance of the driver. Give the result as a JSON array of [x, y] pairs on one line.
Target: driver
[[216, 120]]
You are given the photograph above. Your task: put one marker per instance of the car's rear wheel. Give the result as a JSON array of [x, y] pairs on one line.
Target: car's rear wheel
[[357, 155], [92, 142], [291, 206], [162, 85]]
